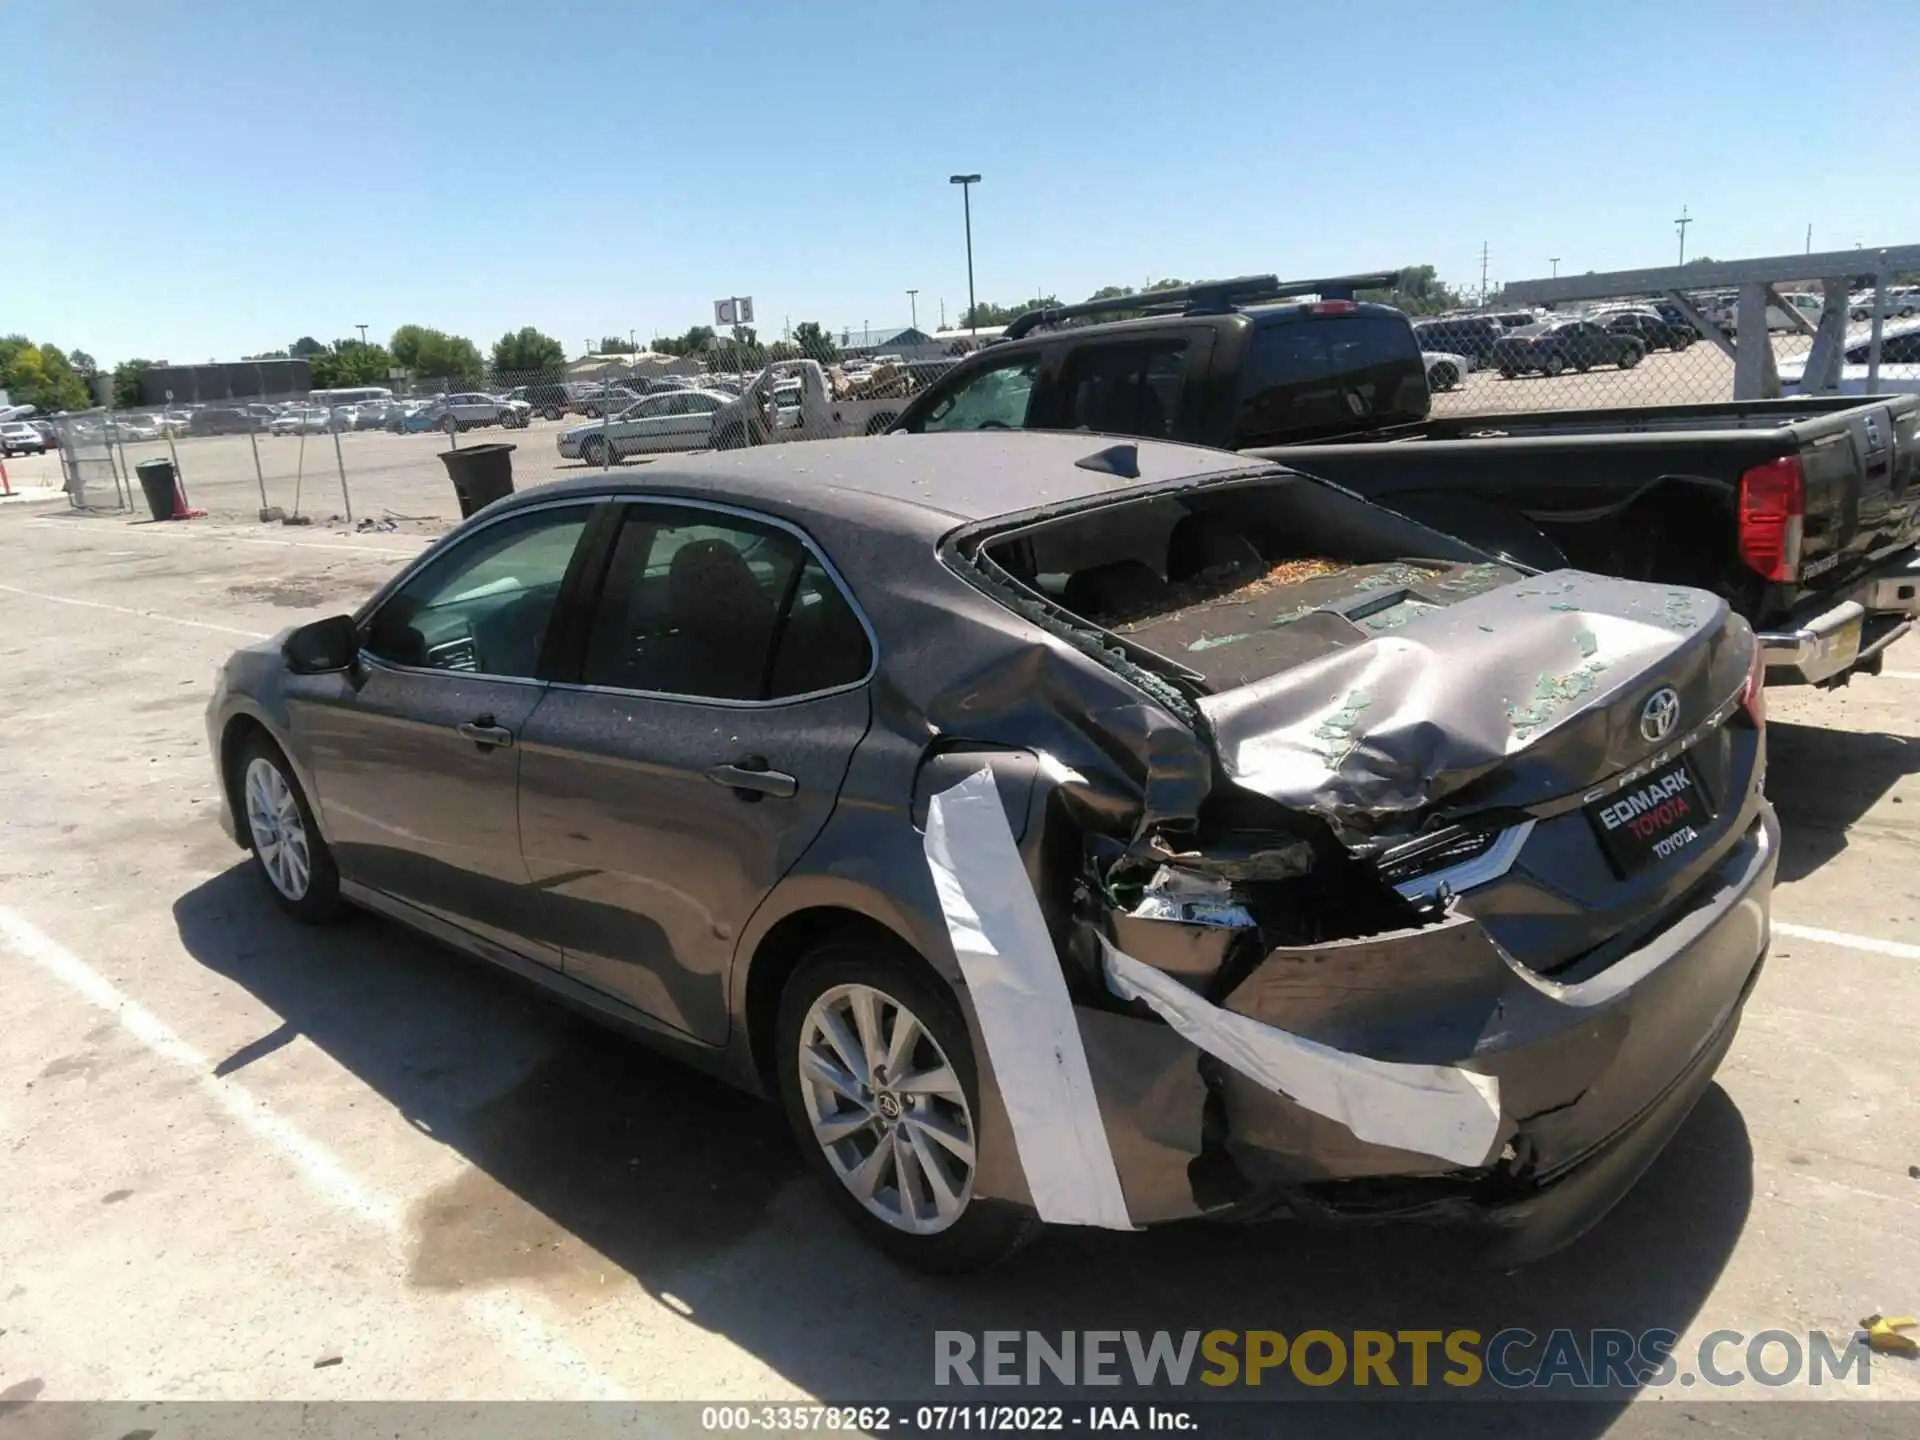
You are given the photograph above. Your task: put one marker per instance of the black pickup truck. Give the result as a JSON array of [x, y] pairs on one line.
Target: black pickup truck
[[1803, 514]]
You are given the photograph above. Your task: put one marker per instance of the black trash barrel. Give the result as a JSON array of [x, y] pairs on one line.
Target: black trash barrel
[[481, 474], [157, 480]]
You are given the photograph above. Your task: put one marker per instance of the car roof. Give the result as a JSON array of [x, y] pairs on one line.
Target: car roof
[[910, 483]]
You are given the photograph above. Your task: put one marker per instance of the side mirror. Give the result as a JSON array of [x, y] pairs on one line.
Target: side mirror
[[322, 648]]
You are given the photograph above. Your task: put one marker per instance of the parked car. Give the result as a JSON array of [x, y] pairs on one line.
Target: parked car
[[1802, 514], [597, 401], [18, 437], [549, 402], [49, 435], [472, 408], [303, 420], [881, 797], [222, 420], [1554, 347], [1899, 303], [136, 427], [671, 420], [1676, 319], [1646, 326], [1444, 371], [1473, 335], [1899, 364]]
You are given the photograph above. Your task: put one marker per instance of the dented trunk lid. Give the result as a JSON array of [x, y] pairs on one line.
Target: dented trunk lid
[[1509, 696]]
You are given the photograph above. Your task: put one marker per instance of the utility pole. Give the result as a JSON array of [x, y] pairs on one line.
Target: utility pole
[[1554, 261], [363, 333], [1483, 272], [1809, 237], [966, 184], [913, 301], [943, 312], [1681, 225]]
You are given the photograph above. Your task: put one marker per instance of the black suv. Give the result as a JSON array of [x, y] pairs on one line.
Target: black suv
[[1219, 363]]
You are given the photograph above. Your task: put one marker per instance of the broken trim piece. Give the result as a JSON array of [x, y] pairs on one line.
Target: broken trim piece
[[1020, 999], [1438, 1110]]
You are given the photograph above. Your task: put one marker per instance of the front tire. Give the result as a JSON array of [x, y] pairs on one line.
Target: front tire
[[292, 856], [593, 450], [1442, 378], [878, 1081], [1555, 367], [1629, 357]]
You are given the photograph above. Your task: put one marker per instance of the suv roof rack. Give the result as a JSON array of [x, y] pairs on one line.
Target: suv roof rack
[[1205, 297]]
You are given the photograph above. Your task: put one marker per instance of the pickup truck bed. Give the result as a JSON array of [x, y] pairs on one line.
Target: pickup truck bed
[[1802, 513]]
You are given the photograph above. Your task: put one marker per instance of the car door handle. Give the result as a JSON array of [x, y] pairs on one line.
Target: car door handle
[[484, 733], [751, 779]]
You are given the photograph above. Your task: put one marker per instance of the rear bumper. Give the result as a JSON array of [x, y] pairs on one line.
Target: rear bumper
[[1596, 1072], [1850, 629]]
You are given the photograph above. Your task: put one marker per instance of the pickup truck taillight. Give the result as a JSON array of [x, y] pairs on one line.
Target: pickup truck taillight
[[1773, 508]]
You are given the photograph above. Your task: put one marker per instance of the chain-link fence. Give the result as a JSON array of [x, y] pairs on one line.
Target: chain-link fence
[[371, 454]]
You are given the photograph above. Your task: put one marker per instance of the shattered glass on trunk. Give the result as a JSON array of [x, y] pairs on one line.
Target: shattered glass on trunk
[[1369, 733]]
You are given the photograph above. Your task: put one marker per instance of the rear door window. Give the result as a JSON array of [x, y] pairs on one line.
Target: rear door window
[[1324, 375], [1125, 389], [713, 606]]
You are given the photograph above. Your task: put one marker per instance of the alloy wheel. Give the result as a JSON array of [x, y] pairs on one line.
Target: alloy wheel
[[279, 831], [887, 1108]]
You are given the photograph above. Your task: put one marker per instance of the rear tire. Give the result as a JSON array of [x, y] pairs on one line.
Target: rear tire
[[1442, 378], [1507, 372], [550, 413], [912, 1225], [1555, 366], [593, 450], [292, 857]]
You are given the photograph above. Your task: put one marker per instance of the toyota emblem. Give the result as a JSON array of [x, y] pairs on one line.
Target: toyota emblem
[[1659, 715]]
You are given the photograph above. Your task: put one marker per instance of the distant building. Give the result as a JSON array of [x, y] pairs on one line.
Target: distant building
[[225, 380], [903, 340]]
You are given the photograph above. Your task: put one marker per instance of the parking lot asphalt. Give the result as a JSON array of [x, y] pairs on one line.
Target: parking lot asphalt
[[246, 1159]]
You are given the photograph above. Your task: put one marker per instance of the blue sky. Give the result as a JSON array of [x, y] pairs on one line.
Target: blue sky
[[217, 177]]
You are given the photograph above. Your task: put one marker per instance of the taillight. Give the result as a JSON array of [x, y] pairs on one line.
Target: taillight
[[1332, 307], [1773, 508], [1753, 697]]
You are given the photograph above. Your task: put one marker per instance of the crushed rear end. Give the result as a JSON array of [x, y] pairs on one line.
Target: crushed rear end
[[1447, 905]]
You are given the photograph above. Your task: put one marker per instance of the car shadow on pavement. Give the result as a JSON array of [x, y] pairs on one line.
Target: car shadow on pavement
[[1823, 781], [588, 1156]]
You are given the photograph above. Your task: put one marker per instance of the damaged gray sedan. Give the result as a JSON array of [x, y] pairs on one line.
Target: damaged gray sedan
[[1063, 830]]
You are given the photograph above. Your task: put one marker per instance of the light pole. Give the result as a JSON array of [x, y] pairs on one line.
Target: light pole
[[913, 302], [966, 184], [1554, 261], [363, 333], [1681, 225]]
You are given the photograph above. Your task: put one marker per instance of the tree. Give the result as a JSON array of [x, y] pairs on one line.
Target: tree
[[40, 375], [349, 363], [84, 365], [267, 355], [527, 352], [305, 348], [435, 355], [989, 314], [1418, 291], [614, 345], [814, 343], [697, 338], [126, 382]]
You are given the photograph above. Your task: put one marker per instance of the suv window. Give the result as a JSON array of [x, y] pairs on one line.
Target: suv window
[[1125, 389], [712, 606], [483, 605], [1328, 375], [996, 398]]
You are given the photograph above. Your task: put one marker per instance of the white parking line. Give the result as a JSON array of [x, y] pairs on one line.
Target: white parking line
[[1899, 949], [1900, 675], [512, 1325], [137, 614]]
